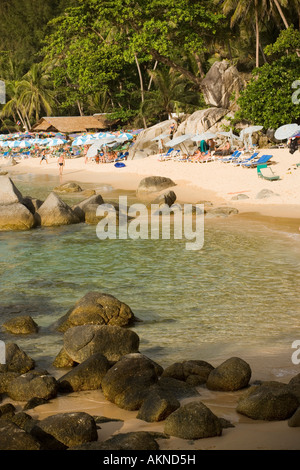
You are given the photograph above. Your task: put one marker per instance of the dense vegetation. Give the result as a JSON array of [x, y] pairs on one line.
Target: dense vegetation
[[144, 59]]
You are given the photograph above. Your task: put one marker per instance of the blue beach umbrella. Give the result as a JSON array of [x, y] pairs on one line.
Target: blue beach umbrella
[[25, 144], [56, 142], [14, 144]]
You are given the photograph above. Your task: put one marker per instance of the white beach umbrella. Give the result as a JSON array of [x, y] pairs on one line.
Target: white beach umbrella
[[25, 144], [286, 131], [98, 144], [178, 140], [14, 143]]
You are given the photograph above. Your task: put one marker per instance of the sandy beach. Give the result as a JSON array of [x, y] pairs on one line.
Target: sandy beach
[[219, 183]]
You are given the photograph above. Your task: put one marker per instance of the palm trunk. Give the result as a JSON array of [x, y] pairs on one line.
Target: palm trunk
[[281, 14], [151, 78], [141, 85], [257, 33], [79, 108]]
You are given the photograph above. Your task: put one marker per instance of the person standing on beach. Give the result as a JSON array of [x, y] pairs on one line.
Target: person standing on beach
[[61, 164], [44, 156], [172, 130]]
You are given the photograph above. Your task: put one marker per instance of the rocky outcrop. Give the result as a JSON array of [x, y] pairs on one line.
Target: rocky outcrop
[[22, 325], [32, 384], [139, 440], [120, 388], [231, 375], [13, 214], [167, 198], [97, 308], [64, 430], [270, 401], [86, 376], [144, 146], [209, 119], [193, 421], [222, 85], [32, 203], [55, 212], [63, 360], [221, 212], [81, 342], [9, 194]]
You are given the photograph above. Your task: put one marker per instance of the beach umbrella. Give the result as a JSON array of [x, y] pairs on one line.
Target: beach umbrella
[[126, 134], [14, 144], [4, 143], [160, 136], [249, 131], [25, 144], [286, 131], [56, 142], [178, 140], [297, 134], [98, 144]]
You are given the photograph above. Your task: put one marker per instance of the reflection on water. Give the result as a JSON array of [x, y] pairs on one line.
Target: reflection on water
[[241, 290]]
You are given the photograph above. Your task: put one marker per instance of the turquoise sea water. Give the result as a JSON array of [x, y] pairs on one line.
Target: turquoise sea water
[[241, 290]]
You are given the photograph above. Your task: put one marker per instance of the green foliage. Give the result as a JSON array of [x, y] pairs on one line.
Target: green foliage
[[288, 42], [267, 100]]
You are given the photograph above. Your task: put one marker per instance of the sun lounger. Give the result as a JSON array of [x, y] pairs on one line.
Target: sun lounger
[[166, 156], [263, 159], [265, 172], [247, 160], [231, 159]]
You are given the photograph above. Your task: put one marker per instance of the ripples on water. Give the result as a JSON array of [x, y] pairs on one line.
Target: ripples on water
[[241, 289]]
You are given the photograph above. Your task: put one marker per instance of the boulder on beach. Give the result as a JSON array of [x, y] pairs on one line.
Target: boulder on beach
[[270, 401], [55, 212], [7, 411], [5, 379], [233, 374], [16, 360], [12, 437], [108, 211], [86, 376], [178, 388], [81, 342], [193, 372], [32, 204], [265, 193], [81, 208], [294, 386], [221, 212], [139, 440], [97, 308], [294, 421], [127, 383], [15, 217], [68, 188], [63, 430], [32, 384], [193, 421], [153, 184], [158, 405], [22, 325]]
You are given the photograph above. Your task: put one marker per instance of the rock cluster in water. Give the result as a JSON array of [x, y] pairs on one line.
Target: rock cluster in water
[[105, 356], [24, 213]]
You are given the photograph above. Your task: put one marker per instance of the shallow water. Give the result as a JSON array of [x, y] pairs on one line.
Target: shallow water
[[239, 292]]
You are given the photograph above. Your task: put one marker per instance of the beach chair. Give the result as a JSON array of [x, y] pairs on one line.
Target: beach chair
[[265, 172], [166, 156], [233, 158], [247, 160], [262, 160]]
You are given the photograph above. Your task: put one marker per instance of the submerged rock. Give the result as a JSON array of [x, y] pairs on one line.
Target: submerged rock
[[98, 309], [22, 325], [16, 217], [81, 208], [68, 188], [154, 184]]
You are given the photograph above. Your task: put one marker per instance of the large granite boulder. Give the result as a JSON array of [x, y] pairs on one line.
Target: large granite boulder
[[221, 83], [65, 430], [127, 383], [96, 308], [193, 421], [16, 360], [32, 203], [158, 405], [144, 145], [193, 372], [270, 401], [63, 360], [22, 325], [231, 375], [178, 388], [209, 119], [81, 208], [32, 384], [86, 376], [5, 379], [16, 217], [12, 437], [294, 386], [294, 421], [81, 342], [55, 212]]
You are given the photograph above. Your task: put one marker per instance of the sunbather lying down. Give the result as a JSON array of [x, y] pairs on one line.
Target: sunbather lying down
[[198, 156]]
